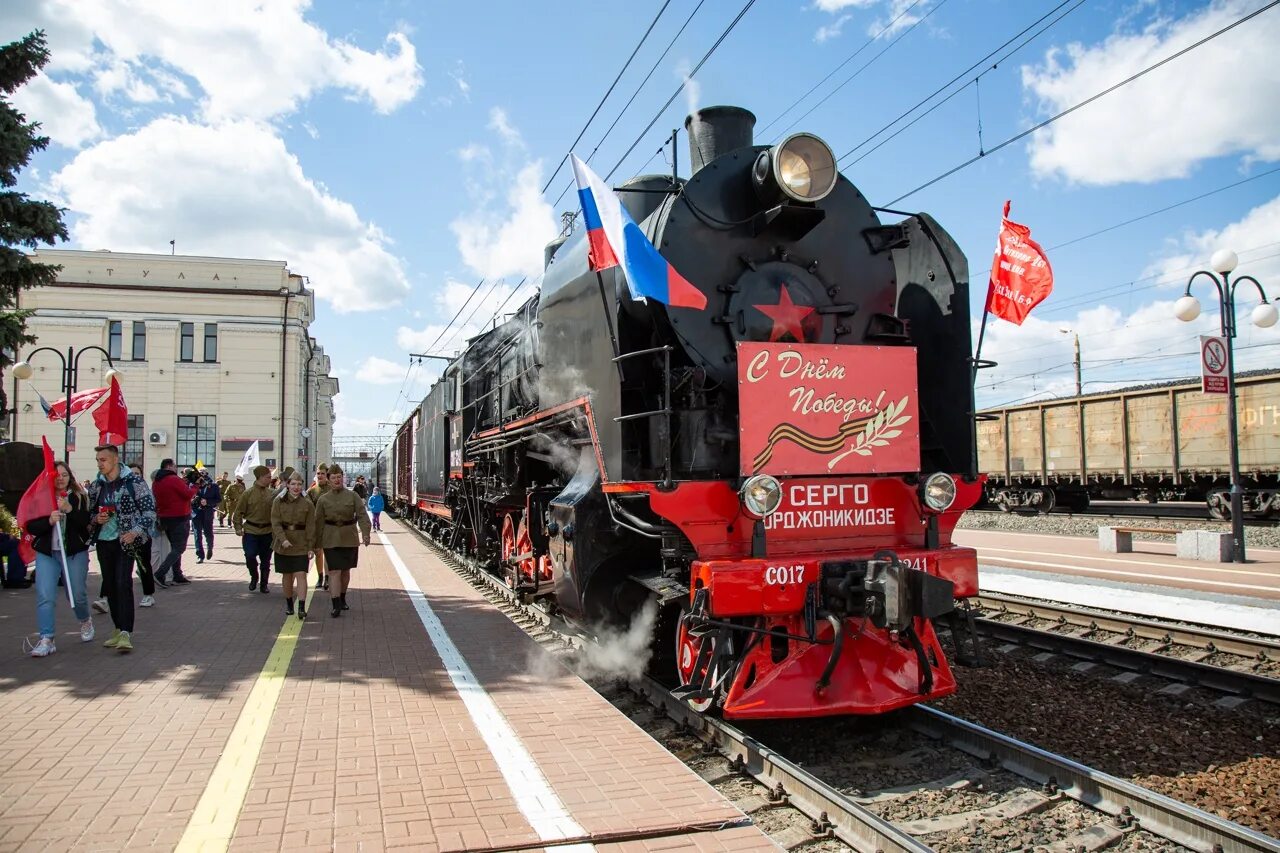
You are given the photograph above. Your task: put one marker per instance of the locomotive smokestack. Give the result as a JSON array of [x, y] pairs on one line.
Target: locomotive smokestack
[[717, 130]]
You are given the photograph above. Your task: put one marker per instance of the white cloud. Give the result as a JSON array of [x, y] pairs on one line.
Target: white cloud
[[435, 339], [509, 241], [231, 189], [1255, 238], [1218, 100], [346, 424], [837, 5], [832, 30], [251, 59], [65, 116], [499, 123], [380, 371]]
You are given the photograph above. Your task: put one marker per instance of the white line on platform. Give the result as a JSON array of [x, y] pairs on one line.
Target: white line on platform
[[1139, 575], [533, 794], [1130, 562]]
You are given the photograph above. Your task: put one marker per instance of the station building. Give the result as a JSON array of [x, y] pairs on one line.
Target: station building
[[212, 354]]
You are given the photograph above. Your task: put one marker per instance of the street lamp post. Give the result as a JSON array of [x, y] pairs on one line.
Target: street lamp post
[[70, 372], [1264, 316]]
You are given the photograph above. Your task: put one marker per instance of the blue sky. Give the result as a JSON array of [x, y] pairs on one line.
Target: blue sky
[[394, 152]]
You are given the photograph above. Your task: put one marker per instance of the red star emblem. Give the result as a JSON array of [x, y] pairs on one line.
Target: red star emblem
[[788, 317]]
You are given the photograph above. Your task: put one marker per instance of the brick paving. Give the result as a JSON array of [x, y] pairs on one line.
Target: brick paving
[[369, 747]]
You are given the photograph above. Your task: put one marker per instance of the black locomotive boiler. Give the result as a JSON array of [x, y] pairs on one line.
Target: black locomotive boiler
[[607, 455]]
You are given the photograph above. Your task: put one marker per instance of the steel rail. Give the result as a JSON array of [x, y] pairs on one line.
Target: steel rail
[[1124, 800], [825, 807], [1131, 804], [1127, 514], [1206, 639], [1236, 682]]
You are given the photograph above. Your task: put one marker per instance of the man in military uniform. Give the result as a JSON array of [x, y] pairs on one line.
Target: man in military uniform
[[224, 483], [252, 522], [232, 494], [321, 486], [337, 513]]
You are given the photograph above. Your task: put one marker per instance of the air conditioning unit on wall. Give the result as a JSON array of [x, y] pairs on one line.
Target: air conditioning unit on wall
[[157, 437]]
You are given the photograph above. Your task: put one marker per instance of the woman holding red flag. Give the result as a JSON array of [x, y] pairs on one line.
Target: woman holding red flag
[[72, 510]]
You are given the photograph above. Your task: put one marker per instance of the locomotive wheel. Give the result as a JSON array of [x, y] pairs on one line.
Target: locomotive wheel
[[537, 568], [510, 574], [696, 652]]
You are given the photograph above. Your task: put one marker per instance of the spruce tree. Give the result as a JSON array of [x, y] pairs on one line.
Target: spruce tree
[[25, 223]]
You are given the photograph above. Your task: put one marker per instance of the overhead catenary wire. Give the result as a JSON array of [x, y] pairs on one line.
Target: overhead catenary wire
[[866, 44], [908, 31], [1089, 100], [963, 74], [1164, 209], [683, 83], [569, 184], [607, 93]]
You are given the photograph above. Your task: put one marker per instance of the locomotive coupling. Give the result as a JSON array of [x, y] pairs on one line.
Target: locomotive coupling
[[884, 590]]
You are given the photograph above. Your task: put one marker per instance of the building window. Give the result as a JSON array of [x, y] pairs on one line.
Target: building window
[[210, 341], [135, 446], [197, 440], [115, 336], [187, 352], [139, 340]]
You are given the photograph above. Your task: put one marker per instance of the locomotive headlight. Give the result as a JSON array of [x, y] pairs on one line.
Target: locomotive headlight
[[804, 167], [939, 491], [761, 495]]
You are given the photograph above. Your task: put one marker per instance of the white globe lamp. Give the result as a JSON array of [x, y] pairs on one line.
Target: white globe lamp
[[1187, 308]]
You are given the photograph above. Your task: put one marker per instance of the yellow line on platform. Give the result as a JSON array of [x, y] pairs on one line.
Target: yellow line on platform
[[214, 821]]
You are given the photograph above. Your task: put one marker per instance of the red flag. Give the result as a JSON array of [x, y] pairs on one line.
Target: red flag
[[1021, 277], [79, 402], [112, 417], [38, 500]]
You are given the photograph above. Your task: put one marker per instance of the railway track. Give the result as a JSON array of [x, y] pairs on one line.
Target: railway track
[[1246, 667], [1104, 810], [1117, 514]]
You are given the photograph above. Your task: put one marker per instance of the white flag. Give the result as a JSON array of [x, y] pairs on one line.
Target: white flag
[[248, 463]]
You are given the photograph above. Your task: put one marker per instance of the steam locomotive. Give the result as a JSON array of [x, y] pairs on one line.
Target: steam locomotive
[[773, 479]]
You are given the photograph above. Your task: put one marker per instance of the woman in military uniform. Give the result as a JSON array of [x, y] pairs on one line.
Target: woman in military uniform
[[338, 511], [293, 528], [321, 486]]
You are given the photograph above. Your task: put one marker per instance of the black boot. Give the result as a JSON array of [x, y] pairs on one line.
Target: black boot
[[337, 608], [253, 580], [288, 606], [302, 609], [343, 599]]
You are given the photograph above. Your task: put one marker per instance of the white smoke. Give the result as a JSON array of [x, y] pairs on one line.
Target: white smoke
[[620, 655], [566, 384], [564, 457], [692, 89]]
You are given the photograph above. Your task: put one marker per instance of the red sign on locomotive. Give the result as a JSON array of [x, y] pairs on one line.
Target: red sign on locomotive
[[827, 409]]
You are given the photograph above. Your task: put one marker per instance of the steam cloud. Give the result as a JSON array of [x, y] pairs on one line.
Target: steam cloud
[[620, 655]]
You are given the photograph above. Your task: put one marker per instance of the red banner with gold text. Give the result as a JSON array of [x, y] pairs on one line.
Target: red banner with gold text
[[826, 409], [1021, 277]]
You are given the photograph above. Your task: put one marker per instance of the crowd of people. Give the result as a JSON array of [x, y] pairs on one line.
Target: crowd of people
[[143, 529]]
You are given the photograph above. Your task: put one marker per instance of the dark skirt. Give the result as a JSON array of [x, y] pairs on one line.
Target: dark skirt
[[286, 564], [341, 559]]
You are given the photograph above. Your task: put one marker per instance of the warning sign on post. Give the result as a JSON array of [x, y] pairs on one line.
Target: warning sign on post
[[1213, 364]]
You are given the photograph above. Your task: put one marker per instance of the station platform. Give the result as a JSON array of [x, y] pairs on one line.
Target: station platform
[[421, 719], [1150, 581]]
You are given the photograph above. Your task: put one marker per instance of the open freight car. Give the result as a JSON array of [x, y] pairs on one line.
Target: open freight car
[[1152, 443]]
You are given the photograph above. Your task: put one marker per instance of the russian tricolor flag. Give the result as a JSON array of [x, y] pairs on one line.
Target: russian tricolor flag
[[616, 240]]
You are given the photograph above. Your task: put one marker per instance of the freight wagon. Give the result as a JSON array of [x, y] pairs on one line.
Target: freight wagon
[[1149, 442]]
